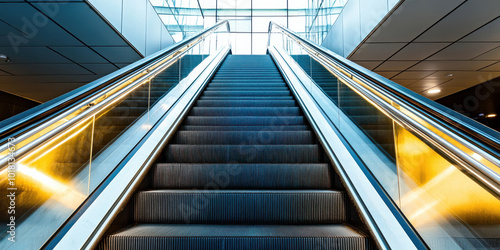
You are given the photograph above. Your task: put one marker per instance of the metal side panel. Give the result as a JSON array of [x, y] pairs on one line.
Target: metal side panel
[[388, 227], [84, 230]]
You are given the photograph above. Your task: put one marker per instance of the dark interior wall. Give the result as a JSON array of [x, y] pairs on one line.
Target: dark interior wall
[[11, 105], [477, 103]]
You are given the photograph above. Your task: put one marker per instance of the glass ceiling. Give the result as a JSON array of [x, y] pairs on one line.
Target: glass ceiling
[[249, 19]]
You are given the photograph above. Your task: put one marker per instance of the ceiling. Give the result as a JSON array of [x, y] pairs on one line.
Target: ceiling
[[423, 45], [56, 47]]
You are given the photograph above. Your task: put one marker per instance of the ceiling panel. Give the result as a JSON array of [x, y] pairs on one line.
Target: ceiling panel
[[460, 83], [482, 76], [387, 74], [494, 67], [410, 75], [122, 65], [405, 82], [492, 55], [463, 51], [32, 55], [487, 33], [83, 22], [48, 78], [4, 73], [43, 69], [418, 51], [396, 65], [411, 19], [451, 65], [55, 57], [433, 31], [4, 41], [376, 51], [16, 15], [80, 54], [369, 64], [458, 24], [428, 83], [118, 54], [101, 69], [5, 29]]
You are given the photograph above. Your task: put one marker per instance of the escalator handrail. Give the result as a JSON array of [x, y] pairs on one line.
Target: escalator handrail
[[43, 112], [472, 134]]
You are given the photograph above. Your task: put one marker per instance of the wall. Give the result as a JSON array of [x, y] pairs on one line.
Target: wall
[[137, 21], [357, 20]]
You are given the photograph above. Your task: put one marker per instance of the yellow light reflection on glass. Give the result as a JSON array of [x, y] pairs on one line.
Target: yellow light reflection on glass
[[61, 192]]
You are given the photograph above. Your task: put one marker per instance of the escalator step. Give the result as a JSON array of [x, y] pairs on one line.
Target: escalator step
[[244, 120], [223, 85], [244, 88], [289, 97], [243, 111], [243, 137], [242, 153], [242, 176], [243, 128], [245, 237], [240, 206], [246, 93], [245, 103]]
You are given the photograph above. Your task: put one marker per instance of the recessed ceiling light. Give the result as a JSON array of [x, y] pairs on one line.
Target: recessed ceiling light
[[433, 91], [4, 58], [491, 115]]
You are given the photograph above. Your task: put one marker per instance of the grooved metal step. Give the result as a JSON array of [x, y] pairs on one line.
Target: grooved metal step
[[246, 97], [245, 103], [244, 137], [243, 153], [244, 111], [246, 93], [244, 237], [244, 120], [240, 206], [243, 128], [242, 176]]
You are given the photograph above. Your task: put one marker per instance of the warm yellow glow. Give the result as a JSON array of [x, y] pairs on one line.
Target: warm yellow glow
[[477, 157], [433, 91], [62, 193], [416, 194], [491, 115], [422, 211], [435, 191], [70, 136]]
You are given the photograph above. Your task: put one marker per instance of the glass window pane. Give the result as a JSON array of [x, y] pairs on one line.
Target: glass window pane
[[297, 24], [240, 25], [269, 12], [259, 43], [241, 43], [261, 24], [267, 4]]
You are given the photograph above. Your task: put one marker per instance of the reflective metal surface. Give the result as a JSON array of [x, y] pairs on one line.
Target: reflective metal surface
[[50, 170], [442, 174]]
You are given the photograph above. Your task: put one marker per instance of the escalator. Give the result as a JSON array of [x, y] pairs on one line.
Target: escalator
[[196, 148], [244, 171]]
